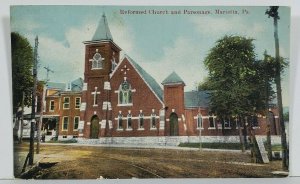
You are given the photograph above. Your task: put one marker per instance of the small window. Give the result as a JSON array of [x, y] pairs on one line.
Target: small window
[[141, 121], [227, 123], [76, 122], [64, 136], [129, 121], [77, 102], [211, 122], [199, 121], [65, 123], [51, 105], [153, 121], [125, 94], [120, 126], [66, 104]]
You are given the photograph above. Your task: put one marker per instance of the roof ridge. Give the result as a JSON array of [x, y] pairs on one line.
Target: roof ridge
[[148, 79]]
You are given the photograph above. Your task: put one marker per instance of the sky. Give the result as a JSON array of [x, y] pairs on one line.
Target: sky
[[160, 43]]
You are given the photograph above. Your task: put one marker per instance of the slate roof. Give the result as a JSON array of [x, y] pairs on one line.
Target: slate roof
[[147, 78], [196, 99], [173, 78], [102, 31], [77, 84], [56, 85]]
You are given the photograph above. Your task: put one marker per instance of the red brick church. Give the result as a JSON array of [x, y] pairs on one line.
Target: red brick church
[[118, 98]]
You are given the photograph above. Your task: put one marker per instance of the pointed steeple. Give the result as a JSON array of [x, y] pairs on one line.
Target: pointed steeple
[[173, 78], [102, 31]]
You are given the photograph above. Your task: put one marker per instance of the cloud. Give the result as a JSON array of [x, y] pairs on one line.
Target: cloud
[[184, 58], [66, 57], [219, 26], [24, 25]]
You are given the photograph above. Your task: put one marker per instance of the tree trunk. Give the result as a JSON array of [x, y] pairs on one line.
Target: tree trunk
[[241, 134]]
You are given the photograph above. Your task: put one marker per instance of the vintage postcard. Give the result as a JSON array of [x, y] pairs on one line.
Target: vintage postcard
[[107, 92]]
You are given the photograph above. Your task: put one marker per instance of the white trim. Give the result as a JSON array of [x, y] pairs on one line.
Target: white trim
[[79, 102], [256, 127], [92, 42], [201, 128], [211, 128], [174, 83], [127, 57], [227, 128], [88, 123], [140, 129], [50, 115], [167, 119], [128, 129], [84, 87], [124, 105], [65, 103], [80, 135], [63, 122], [50, 106], [83, 106], [74, 123]]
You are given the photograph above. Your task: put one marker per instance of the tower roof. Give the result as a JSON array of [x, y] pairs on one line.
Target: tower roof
[[102, 31], [173, 78]]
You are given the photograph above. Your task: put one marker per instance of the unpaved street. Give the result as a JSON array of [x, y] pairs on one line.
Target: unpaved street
[[90, 162]]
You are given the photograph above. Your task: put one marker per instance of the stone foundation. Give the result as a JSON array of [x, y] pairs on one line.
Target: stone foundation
[[168, 140]]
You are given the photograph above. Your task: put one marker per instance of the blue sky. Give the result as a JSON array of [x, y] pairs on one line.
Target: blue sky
[[159, 43]]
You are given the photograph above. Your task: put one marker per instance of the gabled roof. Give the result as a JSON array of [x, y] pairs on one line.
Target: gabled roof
[[76, 85], [150, 81], [173, 78], [102, 31], [196, 99]]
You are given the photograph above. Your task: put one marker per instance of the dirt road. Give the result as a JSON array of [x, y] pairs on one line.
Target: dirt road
[[86, 162]]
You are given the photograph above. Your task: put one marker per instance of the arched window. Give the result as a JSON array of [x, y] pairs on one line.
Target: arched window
[[125, 94], [153, 121], [120, 122], [141, 121], [129, 121], [97, 61], [199, 121]]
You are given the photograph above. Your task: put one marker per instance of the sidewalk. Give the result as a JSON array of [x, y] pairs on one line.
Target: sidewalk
[[145, 147]]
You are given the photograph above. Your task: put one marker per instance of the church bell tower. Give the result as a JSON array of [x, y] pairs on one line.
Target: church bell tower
[[101, 58]]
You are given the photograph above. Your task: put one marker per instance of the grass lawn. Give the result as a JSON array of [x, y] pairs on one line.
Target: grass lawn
[[231, 146]]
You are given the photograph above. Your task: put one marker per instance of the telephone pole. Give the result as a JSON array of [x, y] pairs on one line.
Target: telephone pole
[[273, 12], [32, 127]]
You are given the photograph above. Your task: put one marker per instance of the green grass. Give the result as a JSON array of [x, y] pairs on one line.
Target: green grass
[[231, 146]]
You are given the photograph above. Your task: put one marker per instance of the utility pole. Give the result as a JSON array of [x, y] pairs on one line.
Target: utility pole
[[22, 118], [273, 12], [32, 127]]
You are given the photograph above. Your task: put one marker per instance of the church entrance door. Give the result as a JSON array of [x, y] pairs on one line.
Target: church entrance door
[[94, 127], [173, 124]]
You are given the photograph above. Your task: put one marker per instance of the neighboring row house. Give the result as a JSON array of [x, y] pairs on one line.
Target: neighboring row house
[[118, 98]]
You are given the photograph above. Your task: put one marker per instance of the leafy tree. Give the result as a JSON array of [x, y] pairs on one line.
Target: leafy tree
[[22, 62], [232, 76], [235, 80]]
